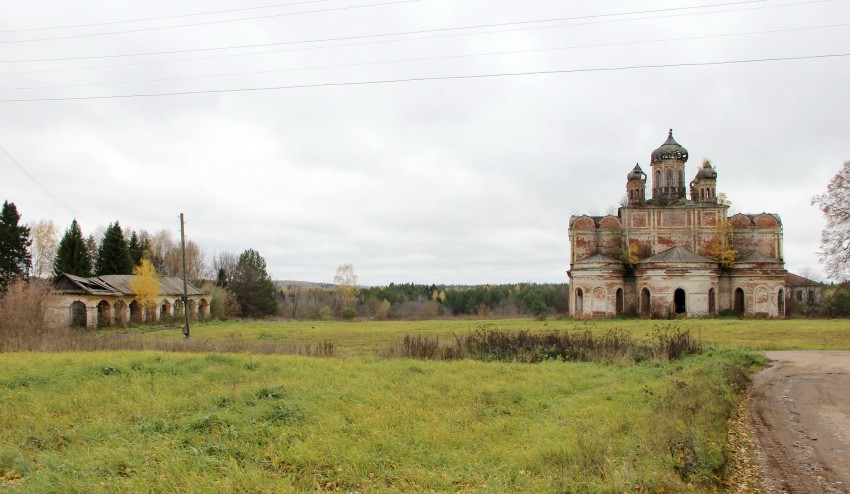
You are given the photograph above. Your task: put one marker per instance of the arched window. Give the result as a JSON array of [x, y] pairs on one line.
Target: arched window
[[203, 309], [679, 301], [135, 312], [104, 314], [739, 301], [669, 178], [645, 303], [120, 312], [712, 302], [658, 179], [780, 302], [78, 314], [619, 303], [579, 302]]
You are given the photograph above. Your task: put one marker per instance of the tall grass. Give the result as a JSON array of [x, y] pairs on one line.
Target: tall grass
[[104, 422], [616, 345], [80, 340]]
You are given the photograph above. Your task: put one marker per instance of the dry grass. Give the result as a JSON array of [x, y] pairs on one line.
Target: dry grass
[[666, 343]]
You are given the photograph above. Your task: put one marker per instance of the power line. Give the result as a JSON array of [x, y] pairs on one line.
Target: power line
[[401, 33], [145, 19], [432, 78], [50, 194], [423, 59], [214, 57], [208, 23], [39, 184]]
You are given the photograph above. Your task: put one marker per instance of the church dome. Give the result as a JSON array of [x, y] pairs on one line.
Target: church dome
[[670, 150], [636, 173], [707, 172]]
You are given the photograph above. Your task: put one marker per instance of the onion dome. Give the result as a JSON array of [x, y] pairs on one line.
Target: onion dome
[[670, 150], [707, 172], [636, 173]]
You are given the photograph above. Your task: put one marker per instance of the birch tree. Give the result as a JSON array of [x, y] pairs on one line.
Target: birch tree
[[834, 251]]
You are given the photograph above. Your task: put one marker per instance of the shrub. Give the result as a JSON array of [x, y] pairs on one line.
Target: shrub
[[23, 310], [668, 342]]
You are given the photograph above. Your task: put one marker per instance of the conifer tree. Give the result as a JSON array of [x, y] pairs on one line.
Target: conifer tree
[[136, 249], [253, 286], [113, 256], [72, 256], [15, 257]]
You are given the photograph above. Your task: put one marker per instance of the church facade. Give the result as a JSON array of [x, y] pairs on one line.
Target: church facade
[[676, 252]]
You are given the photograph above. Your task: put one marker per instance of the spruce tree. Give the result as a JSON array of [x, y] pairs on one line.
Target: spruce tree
[[72, 256], [136, 249], [253, 286], [15, 257], [113, 256]]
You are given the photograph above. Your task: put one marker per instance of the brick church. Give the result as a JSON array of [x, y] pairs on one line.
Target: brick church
[[676, 252]]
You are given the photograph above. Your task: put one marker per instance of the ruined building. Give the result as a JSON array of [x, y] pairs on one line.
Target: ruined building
[[676, 252]]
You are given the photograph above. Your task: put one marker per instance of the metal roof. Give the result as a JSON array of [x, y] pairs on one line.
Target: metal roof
[[119, 285], [753, 257], [598, 259], [677, 255]]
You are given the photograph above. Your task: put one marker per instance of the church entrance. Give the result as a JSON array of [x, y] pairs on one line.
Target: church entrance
[[679, 301], [739, 301]]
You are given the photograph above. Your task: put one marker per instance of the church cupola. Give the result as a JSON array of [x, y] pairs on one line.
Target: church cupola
[[704, 186], [668, 170], [636, 186]]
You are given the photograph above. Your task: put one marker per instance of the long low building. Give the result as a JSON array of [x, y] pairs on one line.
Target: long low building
[[109, 300]]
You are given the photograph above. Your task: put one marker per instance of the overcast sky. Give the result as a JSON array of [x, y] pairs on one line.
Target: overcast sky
[[460, 180]]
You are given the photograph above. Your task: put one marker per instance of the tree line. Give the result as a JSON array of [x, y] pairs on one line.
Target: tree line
[[241, 286]]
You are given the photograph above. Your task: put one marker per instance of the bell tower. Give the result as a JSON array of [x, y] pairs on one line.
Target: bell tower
[[668, 170], [636, 186]]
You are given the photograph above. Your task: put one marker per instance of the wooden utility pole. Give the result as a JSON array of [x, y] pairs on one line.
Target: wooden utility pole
[[185, 287]]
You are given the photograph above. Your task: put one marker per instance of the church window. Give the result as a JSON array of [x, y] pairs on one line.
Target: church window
[[679, 301], [645, 302]]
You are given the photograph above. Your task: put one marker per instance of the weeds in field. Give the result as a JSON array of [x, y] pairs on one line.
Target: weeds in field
[[80, 340], [666, 343]]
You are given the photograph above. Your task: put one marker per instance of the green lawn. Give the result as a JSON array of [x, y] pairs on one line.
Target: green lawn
[[365, 338], [170, 422]]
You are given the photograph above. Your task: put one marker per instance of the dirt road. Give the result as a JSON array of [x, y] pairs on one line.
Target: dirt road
[[800, 411]]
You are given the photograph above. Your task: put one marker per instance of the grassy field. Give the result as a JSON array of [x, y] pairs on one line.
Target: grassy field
[[170, 422], [143, 421], [367, 338]]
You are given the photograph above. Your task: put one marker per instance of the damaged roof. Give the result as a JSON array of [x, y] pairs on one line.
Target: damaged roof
[[118, 285]]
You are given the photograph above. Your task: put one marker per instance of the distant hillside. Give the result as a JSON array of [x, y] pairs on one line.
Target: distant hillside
[[305, 284]]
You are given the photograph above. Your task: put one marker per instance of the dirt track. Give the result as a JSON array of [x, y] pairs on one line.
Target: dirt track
[[800, 411]]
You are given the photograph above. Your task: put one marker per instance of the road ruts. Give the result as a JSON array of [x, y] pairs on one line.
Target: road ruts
[[800, 412]]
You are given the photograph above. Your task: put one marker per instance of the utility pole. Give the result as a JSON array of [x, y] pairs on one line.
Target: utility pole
[[185, 287]]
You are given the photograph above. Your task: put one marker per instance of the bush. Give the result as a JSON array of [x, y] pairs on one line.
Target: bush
[[223, 303], [23, 309], [837, 303], [667, 343], [349, 314]]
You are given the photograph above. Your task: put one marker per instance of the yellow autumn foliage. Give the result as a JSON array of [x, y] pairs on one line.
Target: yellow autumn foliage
[[146, 284]]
